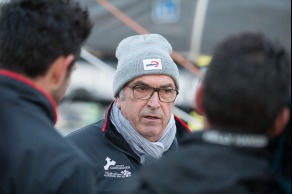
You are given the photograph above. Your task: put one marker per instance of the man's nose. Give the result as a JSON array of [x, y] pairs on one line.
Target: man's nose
[[154, 101]]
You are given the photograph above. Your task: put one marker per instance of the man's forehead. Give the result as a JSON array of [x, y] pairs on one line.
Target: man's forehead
[[156, 80]]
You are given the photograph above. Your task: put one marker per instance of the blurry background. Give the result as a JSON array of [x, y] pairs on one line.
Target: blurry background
[[193, 27]]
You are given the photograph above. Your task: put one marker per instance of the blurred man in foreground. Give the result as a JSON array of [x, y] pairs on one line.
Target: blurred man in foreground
[[39, 42]]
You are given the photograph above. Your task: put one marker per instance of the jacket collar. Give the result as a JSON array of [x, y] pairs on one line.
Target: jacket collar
[[230, 139], [115, 138], [25, 81]]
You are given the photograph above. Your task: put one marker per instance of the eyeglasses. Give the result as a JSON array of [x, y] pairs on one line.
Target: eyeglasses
[[146, 92]]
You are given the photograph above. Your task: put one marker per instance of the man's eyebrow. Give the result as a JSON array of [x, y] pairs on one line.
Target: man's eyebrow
[[141, 83], [167, 86]]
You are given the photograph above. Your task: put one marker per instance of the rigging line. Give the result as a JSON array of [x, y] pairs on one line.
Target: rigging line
[[140, 30]]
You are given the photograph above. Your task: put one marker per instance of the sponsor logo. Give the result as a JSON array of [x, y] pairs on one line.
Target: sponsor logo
[[112, 170], [240, 140], [109, 163], [152, 64]]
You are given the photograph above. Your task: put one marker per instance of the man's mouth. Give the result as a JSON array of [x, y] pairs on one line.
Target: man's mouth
[[151, 117]]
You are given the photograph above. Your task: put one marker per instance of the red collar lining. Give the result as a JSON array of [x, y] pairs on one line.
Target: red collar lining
[[31, 84], [107, 117], [182, 123]]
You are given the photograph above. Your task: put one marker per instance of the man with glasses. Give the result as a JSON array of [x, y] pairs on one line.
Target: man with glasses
[[139, 126]]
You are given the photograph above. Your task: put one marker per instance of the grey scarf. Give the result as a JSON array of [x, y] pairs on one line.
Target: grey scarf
[[146, 150]]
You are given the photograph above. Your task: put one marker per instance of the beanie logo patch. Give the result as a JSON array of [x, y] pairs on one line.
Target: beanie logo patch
[[152, 64]]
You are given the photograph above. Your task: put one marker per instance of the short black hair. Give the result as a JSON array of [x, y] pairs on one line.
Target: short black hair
[[247, 83], [33, 33]]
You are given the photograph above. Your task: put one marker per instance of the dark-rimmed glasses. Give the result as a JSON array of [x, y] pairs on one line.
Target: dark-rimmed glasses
[[146, 92]]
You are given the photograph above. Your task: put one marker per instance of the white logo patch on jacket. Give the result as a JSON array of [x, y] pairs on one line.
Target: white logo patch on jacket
[[112, 170]]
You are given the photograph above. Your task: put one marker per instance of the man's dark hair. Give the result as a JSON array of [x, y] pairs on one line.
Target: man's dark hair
[[247, 83], [33, 33]]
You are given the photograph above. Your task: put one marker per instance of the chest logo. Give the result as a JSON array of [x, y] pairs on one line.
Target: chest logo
[[112, 170], [109, 163]]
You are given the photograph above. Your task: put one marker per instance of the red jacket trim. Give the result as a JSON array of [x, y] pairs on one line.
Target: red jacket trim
[[28, 82]]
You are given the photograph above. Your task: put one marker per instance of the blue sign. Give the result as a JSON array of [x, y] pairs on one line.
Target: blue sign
[[166, 11]]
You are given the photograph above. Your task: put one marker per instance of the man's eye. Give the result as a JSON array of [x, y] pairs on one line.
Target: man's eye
[[167, 91], [141, 88]]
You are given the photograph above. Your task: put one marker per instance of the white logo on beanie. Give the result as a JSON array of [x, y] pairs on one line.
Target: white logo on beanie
[[152, 64]]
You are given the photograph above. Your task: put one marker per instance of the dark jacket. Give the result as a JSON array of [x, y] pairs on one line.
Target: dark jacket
[[41, 161], [210, 162], [112, 155]]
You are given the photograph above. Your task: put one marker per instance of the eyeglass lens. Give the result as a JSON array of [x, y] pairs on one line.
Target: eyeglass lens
[[145, 93]]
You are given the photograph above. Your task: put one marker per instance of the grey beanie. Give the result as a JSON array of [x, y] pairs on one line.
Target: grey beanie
[[143, 55]]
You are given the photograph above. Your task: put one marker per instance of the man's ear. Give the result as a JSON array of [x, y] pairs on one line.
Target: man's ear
[[281, 122], [59, 70], [118, 100], [198, 101]]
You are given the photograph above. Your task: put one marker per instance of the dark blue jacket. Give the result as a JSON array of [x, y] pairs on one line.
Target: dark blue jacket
[[113, 157], [40, 160], [210, 162]]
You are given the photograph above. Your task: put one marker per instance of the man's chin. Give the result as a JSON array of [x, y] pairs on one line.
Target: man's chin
[[151, 133]]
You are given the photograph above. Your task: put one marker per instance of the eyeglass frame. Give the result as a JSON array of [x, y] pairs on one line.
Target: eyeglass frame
[[154, 90]]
